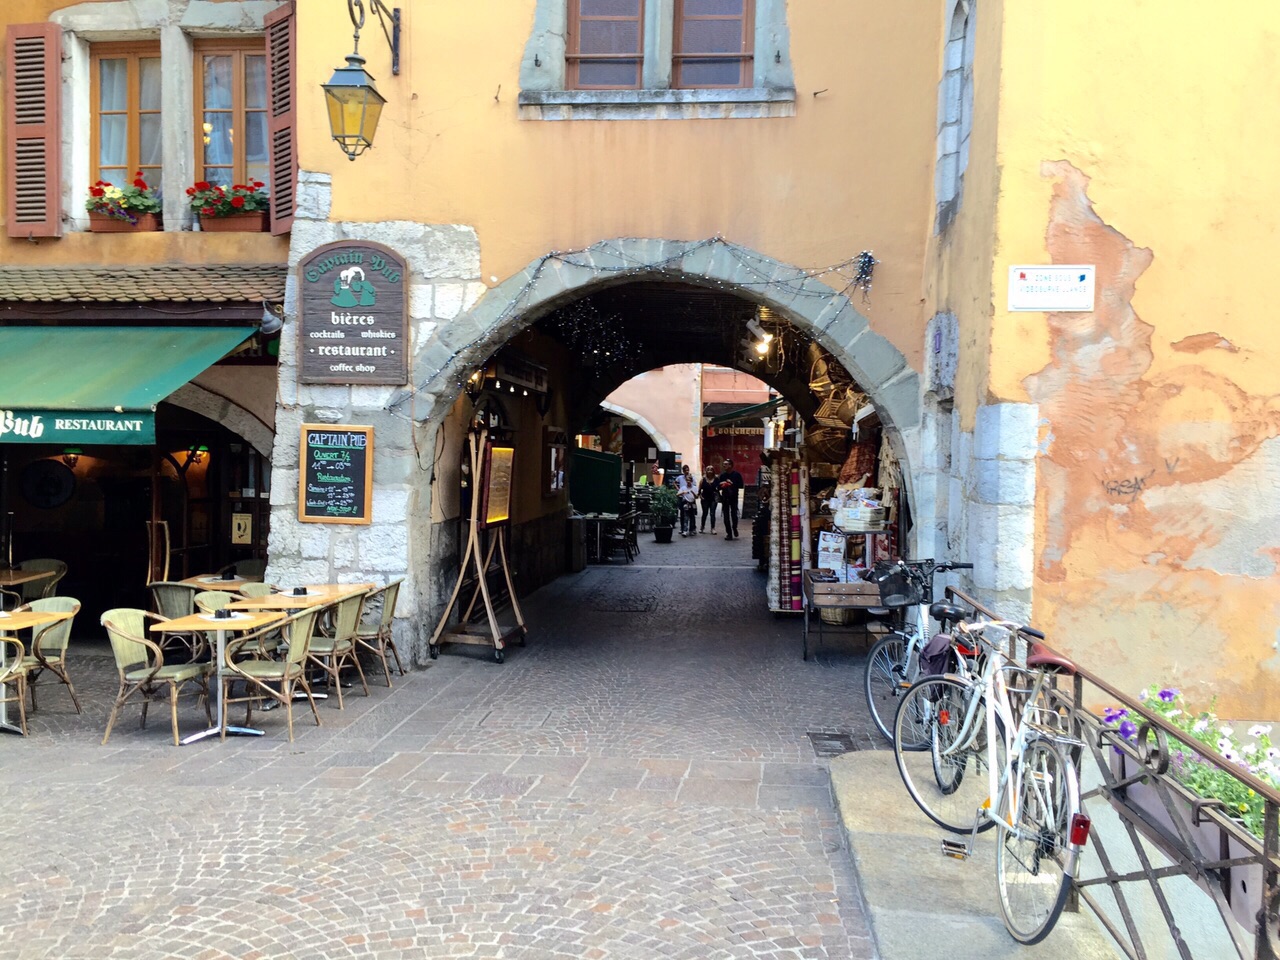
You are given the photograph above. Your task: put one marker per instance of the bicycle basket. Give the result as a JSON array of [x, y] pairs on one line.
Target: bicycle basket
[[897, 588]]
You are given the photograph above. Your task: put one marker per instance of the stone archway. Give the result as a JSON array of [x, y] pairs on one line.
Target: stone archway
[[223, 410], [644, 423], [805, 301]]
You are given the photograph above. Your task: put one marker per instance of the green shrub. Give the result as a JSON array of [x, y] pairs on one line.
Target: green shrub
[[664, 505]]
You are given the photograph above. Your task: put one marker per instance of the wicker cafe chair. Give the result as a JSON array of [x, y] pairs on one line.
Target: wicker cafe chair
[[173, 600], [331, 651], [45, 586], [211, 601], [258, 675], [246, 569], [9, 599], [140, 664], [374, 632], [49, 645], [251, 590], [14, 675]]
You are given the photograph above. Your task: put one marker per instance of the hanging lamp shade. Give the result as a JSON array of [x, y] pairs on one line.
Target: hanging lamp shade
[[355, 105]]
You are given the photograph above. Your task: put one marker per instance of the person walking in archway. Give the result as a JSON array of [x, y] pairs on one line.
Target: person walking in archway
[[708, 494], [730, 484], [687, 491]]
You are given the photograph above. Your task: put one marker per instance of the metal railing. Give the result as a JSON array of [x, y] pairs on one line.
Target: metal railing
[[1195, 837]]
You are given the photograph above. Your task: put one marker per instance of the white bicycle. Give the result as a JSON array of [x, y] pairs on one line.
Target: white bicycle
[[999, 754], [893, 662]]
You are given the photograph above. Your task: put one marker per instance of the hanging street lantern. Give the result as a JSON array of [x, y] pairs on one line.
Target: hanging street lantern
[[354, 103]]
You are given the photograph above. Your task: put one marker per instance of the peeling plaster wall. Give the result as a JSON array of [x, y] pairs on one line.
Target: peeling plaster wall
[[1156, 518]]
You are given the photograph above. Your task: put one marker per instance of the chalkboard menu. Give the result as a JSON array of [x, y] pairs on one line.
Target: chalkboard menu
[[353, 313], [335, 476]]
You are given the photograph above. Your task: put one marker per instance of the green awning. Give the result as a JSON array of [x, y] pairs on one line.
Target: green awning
[[756, 412], [99, 384]]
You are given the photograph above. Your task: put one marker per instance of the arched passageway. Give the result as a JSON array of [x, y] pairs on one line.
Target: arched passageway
[[594, 319]]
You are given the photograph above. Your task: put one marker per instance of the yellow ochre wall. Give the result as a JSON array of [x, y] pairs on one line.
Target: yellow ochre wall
[[1135, 136], [850, 172]]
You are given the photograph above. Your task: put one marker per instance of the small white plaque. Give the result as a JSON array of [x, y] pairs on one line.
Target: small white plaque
[[1062, 288]]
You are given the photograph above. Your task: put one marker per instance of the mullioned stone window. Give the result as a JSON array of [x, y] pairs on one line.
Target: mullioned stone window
[[647, 75]]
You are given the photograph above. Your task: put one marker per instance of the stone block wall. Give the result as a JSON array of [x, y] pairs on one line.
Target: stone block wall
[[443, 261]]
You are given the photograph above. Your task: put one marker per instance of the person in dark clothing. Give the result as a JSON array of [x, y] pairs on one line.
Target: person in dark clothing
[[730, 484], [708, 494]]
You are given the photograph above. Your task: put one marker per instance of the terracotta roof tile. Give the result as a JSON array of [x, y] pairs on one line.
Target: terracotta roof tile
[[181, 284]]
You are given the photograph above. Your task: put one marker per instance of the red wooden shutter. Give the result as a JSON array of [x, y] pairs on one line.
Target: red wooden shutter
[[32, 129], [282, 114]]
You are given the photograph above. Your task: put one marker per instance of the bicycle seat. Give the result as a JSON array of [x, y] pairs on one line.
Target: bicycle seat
[[878, 611], [1041, 656], [942, 611]]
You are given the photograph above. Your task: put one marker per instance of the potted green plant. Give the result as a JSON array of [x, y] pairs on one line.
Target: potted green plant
[[665, 507], [113, 209], [240, 207]]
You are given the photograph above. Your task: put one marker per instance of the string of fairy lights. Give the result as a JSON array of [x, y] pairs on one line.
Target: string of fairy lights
[[599, 340]]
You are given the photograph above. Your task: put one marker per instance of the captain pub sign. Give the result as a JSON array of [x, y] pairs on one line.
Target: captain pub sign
[[353, 315]]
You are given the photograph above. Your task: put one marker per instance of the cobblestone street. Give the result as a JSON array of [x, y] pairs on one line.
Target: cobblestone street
[[636, 782]]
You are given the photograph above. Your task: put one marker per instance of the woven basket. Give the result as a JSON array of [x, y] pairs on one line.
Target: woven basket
[[836, 615]]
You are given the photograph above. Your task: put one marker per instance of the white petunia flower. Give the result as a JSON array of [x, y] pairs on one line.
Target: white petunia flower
[[1200, 726], [1173, 713], [1143, 696], [1259, 730], [1250, 748], [1225, 731], [1273, 753], [1229, 755], [1223, 744]]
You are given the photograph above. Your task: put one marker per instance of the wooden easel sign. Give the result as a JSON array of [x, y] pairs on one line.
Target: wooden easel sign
[[490, 512]]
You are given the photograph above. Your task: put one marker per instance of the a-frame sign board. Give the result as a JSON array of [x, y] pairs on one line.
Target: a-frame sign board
[[490, 500]]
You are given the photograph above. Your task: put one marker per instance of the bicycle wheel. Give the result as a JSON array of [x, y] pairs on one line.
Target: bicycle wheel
[[1034, 860], [886, 679], [935, 711]]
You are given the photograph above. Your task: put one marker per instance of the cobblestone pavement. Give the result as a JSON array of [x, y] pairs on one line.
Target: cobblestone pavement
[[638, 781]]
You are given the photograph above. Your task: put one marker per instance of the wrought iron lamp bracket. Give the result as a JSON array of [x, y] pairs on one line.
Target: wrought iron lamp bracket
[[385, 14]]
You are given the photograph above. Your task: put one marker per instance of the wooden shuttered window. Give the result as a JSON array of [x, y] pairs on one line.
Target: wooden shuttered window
[[712, 43], [33, 135], [605, 44], [282, 132]]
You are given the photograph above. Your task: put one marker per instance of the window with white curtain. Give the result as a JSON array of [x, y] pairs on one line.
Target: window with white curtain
[[231, 112], [125, 130]]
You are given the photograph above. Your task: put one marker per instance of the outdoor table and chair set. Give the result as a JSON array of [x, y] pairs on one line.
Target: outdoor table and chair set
[[258, 644]]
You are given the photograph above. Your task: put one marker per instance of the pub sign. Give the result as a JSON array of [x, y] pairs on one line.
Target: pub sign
[[353, 315]]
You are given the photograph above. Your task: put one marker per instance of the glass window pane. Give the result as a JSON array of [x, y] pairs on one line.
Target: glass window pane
[[255, 82], [712, 36], [710, 73], [113, 84], [153, 175], [149, 83], [610, 8], [113, 144], [711, 8], [114, 175], [255, 137], [149, 138], [609, 73], [217, 83], [217, 139], [610, 36], [258, 171], [221, 175]]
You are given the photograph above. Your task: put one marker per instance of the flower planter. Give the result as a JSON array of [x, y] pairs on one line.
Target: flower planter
[[255, 221], [1242, 884], [662, 534], [102, 223]]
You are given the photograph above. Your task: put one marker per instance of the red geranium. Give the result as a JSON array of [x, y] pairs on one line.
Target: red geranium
[[214, 200]]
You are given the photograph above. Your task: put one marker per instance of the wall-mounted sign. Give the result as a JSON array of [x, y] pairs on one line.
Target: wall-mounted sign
[[335, 478], [1062, 288], [242, 528], [77, 427], [353, 315]]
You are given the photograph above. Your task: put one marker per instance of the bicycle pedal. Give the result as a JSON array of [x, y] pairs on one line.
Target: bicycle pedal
[[955, 849]]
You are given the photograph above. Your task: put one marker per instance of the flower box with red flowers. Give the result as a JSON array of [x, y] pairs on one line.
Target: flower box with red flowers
[[239, 207], [126, 209]]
